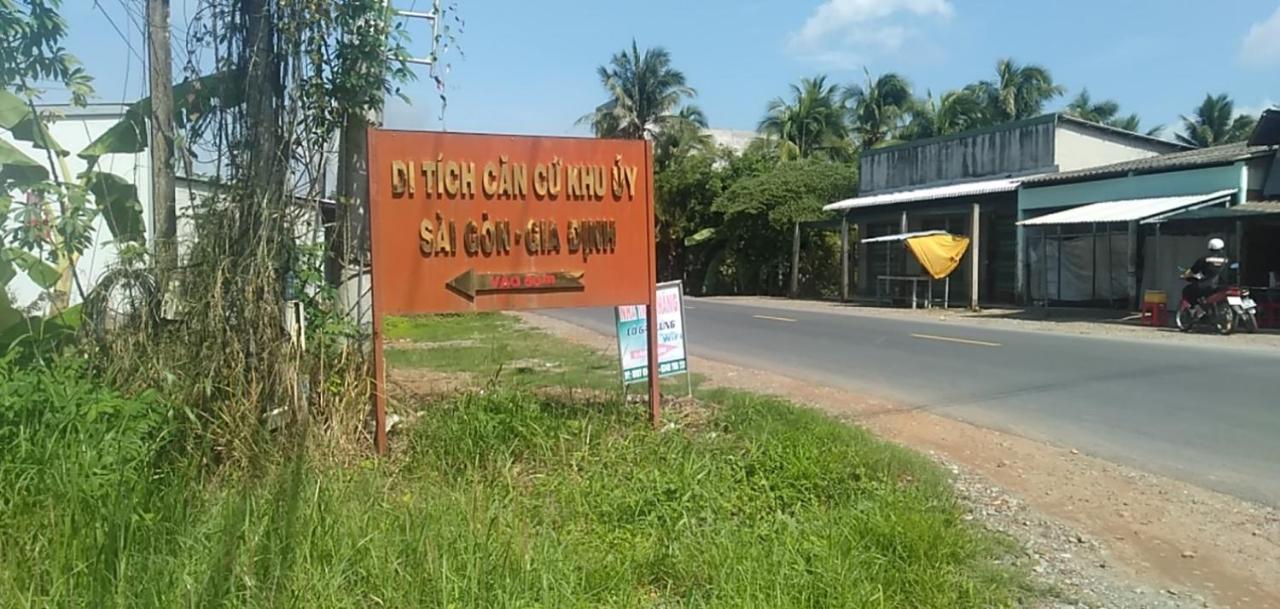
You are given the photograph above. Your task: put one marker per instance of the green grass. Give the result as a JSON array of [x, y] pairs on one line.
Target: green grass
[[492, 345], [501, 498]]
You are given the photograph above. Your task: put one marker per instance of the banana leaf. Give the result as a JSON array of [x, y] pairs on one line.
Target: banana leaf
[[16, 117], [41, 273], [117, 201], [16, 166], [192, 100]]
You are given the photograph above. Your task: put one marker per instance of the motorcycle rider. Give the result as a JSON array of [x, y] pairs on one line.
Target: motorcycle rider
[[1204, 276]]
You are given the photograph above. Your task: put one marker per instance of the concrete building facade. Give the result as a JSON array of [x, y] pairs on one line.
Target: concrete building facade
[[967, 184]]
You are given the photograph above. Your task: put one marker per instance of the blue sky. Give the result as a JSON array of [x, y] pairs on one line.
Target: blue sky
[[528, 66]]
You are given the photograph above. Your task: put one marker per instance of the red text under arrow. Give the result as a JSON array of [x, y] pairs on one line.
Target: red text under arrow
[[471, 283]]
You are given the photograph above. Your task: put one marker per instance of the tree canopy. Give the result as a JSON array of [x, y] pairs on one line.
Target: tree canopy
[[1215, 122], [645, 94]]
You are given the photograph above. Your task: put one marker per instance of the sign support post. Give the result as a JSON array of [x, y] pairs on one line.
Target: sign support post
[[651, 321], [379, 389]]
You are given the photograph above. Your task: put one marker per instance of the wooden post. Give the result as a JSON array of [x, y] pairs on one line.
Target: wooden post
[[1134, 297], [1021, 285], [795, 262], [863, 259], [975, 253], [164, 221], [379, 363], [379, 388], [844, 258], [1044, 262], [651, 321], [1093, 258], [1059, 270], [1157, 267]]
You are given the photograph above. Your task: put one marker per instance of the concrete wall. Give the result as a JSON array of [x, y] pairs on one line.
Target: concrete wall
[[74, 130], [1188, 182], [1079, 147], [1018, 150]]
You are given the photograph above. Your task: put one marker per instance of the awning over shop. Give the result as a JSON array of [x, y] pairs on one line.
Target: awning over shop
[[929, 194], [1245, 210], [1131, 210]]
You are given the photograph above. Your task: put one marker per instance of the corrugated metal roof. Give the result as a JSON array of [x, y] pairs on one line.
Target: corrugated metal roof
[[928, 194], [904, 236], [1128, 210], [1200, 157], [1244, 210]]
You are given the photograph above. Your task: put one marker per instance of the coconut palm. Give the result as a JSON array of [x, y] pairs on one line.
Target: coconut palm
[[1106, 112], [1083, 107], [1019, 91], [954, 112], [877, 108], [812, 122], [1214, 123], [682, 137], [645, 95]]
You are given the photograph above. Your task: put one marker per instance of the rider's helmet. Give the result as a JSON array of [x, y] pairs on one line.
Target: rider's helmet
[[1216, 245]]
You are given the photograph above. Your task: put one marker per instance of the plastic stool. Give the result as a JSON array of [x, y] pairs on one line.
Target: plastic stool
[[1270, 315], [1153, 314], [1155, 305]]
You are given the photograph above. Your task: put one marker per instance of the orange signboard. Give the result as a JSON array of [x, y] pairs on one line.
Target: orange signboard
[[466, 222]]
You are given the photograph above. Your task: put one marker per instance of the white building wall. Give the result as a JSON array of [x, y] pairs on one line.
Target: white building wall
[[736, 141], [75, 129], [1077, 147]]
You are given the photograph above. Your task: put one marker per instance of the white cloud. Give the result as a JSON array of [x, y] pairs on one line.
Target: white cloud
[[1261, 45], [841, 33]]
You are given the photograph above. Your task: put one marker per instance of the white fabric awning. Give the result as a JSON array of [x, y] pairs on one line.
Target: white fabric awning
[[928, 194], [904, 236], [1130, 210]]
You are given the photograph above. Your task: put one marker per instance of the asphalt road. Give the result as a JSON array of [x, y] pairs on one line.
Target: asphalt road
[[1208, 415]]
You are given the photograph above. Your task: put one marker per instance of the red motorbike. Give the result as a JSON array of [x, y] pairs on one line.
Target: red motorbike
[[1214, 310], [1227, 309]]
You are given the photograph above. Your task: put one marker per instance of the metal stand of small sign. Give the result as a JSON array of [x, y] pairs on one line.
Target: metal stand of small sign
[[684, 331], [662, 335]]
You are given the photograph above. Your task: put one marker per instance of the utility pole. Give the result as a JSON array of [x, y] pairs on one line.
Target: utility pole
[[164, 219]]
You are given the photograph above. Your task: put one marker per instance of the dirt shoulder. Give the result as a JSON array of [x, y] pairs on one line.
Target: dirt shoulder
[[1105, 535]]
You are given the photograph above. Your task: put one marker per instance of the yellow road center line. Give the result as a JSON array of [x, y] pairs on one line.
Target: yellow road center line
[[963, 341], [770, 317]]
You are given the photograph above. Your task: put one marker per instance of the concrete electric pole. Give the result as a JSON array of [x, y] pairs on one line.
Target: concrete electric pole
[[164, 221]]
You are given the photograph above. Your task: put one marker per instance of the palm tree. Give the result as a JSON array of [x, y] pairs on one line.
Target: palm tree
[[683, 136], [877, 108], [812, 122], [1215, 123], [1106, 112], [954, 112], [1019, 91], [645, 93], [1084, 107]]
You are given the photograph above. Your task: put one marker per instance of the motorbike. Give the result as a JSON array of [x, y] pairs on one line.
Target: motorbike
[[1227, 309], [1213, 310]]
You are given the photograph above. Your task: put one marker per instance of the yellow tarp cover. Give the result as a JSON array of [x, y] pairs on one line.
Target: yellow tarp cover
[[938, 254]]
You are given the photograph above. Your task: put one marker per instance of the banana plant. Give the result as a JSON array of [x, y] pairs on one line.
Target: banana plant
[[48, 232], [63, 231]]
